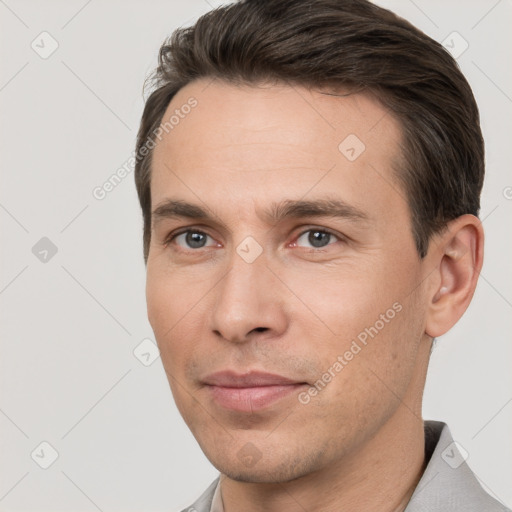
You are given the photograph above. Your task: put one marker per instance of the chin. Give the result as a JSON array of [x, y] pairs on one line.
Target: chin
[[260, 476], [267, 471]]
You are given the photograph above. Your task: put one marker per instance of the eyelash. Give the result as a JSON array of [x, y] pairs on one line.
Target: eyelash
[[169, 239]]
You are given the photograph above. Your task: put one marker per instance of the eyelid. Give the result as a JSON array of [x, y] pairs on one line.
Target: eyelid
[[320, 228], [173, 234], [331, 232], [180, 231]]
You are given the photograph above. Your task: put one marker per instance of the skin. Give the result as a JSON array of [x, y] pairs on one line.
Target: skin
[[292, 311]]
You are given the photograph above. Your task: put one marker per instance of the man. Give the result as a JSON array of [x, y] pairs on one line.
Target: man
[[309, 174]]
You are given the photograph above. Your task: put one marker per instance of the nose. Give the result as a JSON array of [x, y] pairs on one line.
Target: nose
[[249, 302]]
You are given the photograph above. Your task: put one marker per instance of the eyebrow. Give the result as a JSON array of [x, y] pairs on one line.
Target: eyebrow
[[328, 207]]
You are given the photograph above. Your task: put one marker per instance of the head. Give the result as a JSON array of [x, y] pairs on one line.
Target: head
[[309, 174]]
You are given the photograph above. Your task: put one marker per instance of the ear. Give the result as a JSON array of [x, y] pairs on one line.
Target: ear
[[457, 255]]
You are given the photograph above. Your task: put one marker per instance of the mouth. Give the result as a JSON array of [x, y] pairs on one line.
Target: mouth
[[249, 392]]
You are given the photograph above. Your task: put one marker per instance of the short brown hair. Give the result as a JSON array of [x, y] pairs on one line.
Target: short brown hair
[[349, 44]]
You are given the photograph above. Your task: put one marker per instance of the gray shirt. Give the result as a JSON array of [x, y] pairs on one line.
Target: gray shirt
[[447, 485]]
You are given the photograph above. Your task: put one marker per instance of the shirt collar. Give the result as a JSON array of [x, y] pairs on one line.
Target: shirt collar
[[217, 504], [448, 484]]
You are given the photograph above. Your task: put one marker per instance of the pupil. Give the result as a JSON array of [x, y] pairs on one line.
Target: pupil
[[195, 240], [316, 238]]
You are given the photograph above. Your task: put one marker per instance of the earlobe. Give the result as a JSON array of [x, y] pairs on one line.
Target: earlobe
[[458, 258]]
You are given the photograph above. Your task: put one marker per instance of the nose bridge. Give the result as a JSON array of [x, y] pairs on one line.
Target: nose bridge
[[245, 298], [241, 288]]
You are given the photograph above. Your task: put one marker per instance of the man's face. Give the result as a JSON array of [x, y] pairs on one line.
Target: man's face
[[333, 303]]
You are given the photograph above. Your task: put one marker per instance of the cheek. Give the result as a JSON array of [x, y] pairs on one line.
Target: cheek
[[366, 314], [171, 294], [171, 318], [159, 302], [342, 299], [170, 307]]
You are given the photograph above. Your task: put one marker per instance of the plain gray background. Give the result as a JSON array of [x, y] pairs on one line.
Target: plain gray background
[[72, 320]]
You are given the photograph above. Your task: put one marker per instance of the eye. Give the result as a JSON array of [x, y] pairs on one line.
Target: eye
[[317, 238], [190, 239]]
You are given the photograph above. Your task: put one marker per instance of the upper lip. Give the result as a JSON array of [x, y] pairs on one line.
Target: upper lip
[[230, 379]]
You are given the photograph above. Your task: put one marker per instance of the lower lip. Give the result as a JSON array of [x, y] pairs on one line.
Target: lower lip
[[251, 399]]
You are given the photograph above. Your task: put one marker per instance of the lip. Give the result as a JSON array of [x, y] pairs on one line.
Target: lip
[[230, 379], [251, 391]]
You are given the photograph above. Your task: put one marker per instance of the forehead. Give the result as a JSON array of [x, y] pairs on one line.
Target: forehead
[[263, 141]]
